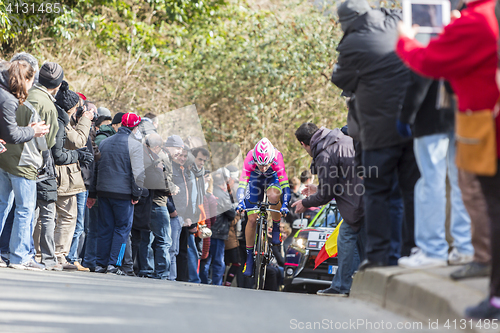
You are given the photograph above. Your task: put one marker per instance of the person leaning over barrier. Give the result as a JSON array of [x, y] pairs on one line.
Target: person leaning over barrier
[[333, 162]]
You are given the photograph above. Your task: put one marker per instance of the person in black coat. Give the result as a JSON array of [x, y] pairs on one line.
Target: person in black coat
[[369, 68], [333, 161]]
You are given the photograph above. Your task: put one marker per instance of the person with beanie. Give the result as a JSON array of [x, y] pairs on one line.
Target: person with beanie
[[118, 183], [68, 172], [42, 97], [369, 68]]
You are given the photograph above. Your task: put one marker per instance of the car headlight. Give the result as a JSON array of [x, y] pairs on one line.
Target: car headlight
[[299, 243], [289, 271]]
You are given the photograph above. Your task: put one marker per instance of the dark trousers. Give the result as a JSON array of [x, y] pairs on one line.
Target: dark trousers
[[182, 257], [272, 278], [113, 229], [491, 189], [379, 167], [397, 212], [91, 238], [7, 230]]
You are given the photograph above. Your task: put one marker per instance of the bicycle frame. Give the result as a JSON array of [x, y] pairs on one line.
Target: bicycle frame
[[262, 249]]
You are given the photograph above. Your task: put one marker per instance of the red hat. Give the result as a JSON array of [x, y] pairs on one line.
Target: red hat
[[130, 120], [82, 96]]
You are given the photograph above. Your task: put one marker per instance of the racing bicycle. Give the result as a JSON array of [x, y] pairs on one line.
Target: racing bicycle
[[262, 248]]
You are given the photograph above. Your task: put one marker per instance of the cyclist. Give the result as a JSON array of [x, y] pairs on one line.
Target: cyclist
[[263, 170]]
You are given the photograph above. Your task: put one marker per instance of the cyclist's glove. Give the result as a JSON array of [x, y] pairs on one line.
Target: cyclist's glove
[[284, 210], [241, 206]]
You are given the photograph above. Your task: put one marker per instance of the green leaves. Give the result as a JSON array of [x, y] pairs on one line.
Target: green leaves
[[252, 72]]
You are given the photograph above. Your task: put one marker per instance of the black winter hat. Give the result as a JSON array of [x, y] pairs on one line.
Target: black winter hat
[[51, 75], [117, 119], [65, 98]]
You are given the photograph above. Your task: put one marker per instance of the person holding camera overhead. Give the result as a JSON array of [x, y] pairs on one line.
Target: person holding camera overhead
[[68, 169]]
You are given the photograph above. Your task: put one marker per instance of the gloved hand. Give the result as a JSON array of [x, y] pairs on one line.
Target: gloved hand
[[404, 129], [284, 210], [85, 158], [241, 206]]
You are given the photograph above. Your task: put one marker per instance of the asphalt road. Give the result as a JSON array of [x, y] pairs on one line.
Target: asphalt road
[[56, 302]]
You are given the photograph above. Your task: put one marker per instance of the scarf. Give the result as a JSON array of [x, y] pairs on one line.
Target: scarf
[[200, 184]]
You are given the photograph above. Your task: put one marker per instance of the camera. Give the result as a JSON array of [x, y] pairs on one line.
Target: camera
[[83, 108], [79, 111]]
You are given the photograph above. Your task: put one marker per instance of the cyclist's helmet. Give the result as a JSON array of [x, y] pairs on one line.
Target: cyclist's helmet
[[264, 152]]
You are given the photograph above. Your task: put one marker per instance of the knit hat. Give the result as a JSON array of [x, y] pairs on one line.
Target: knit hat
[[117, 118], [82, 96], [26, 57], [51, 75], [174, 141], [130, 120], [102, 111], [350, 10], [66, 98]]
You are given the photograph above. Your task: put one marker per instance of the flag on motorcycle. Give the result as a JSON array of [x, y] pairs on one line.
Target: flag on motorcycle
[[330, 248]]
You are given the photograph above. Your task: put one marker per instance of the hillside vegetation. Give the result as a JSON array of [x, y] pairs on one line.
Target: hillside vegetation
[[252, 69]]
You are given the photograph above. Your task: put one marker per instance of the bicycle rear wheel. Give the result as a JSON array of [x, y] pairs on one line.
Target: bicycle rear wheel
[[261, 256]]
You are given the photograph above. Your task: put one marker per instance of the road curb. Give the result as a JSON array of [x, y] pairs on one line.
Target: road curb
[[425, 295]]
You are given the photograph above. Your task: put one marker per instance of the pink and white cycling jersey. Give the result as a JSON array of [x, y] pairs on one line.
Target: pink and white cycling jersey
[[277, 166]]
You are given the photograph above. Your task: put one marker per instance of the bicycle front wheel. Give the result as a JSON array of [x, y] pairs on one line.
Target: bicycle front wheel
[[260, 258]]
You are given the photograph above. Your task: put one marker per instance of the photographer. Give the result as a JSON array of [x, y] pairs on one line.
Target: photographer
[[68, 170]]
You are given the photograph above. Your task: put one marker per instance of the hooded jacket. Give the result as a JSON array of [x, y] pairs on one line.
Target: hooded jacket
[[10, 131], [105, 131], [333, 163], [369, 67]]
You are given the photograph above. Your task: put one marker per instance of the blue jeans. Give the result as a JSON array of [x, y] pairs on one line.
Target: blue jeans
[[115, 223], [24, 191], [351, 247], [193, 258], [176, 227], [160, 226], [91, 238], [435, 154], [81, 200], [216, 260]]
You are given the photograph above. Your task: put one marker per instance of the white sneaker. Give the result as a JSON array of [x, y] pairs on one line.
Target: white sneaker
[[3, 264], [418, 259], [457, 258], [31, 265]]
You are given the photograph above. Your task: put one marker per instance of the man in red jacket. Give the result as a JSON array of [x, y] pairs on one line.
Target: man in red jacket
[[465, 54]]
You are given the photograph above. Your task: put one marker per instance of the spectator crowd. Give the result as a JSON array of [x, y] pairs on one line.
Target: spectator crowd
[[86, 190]]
